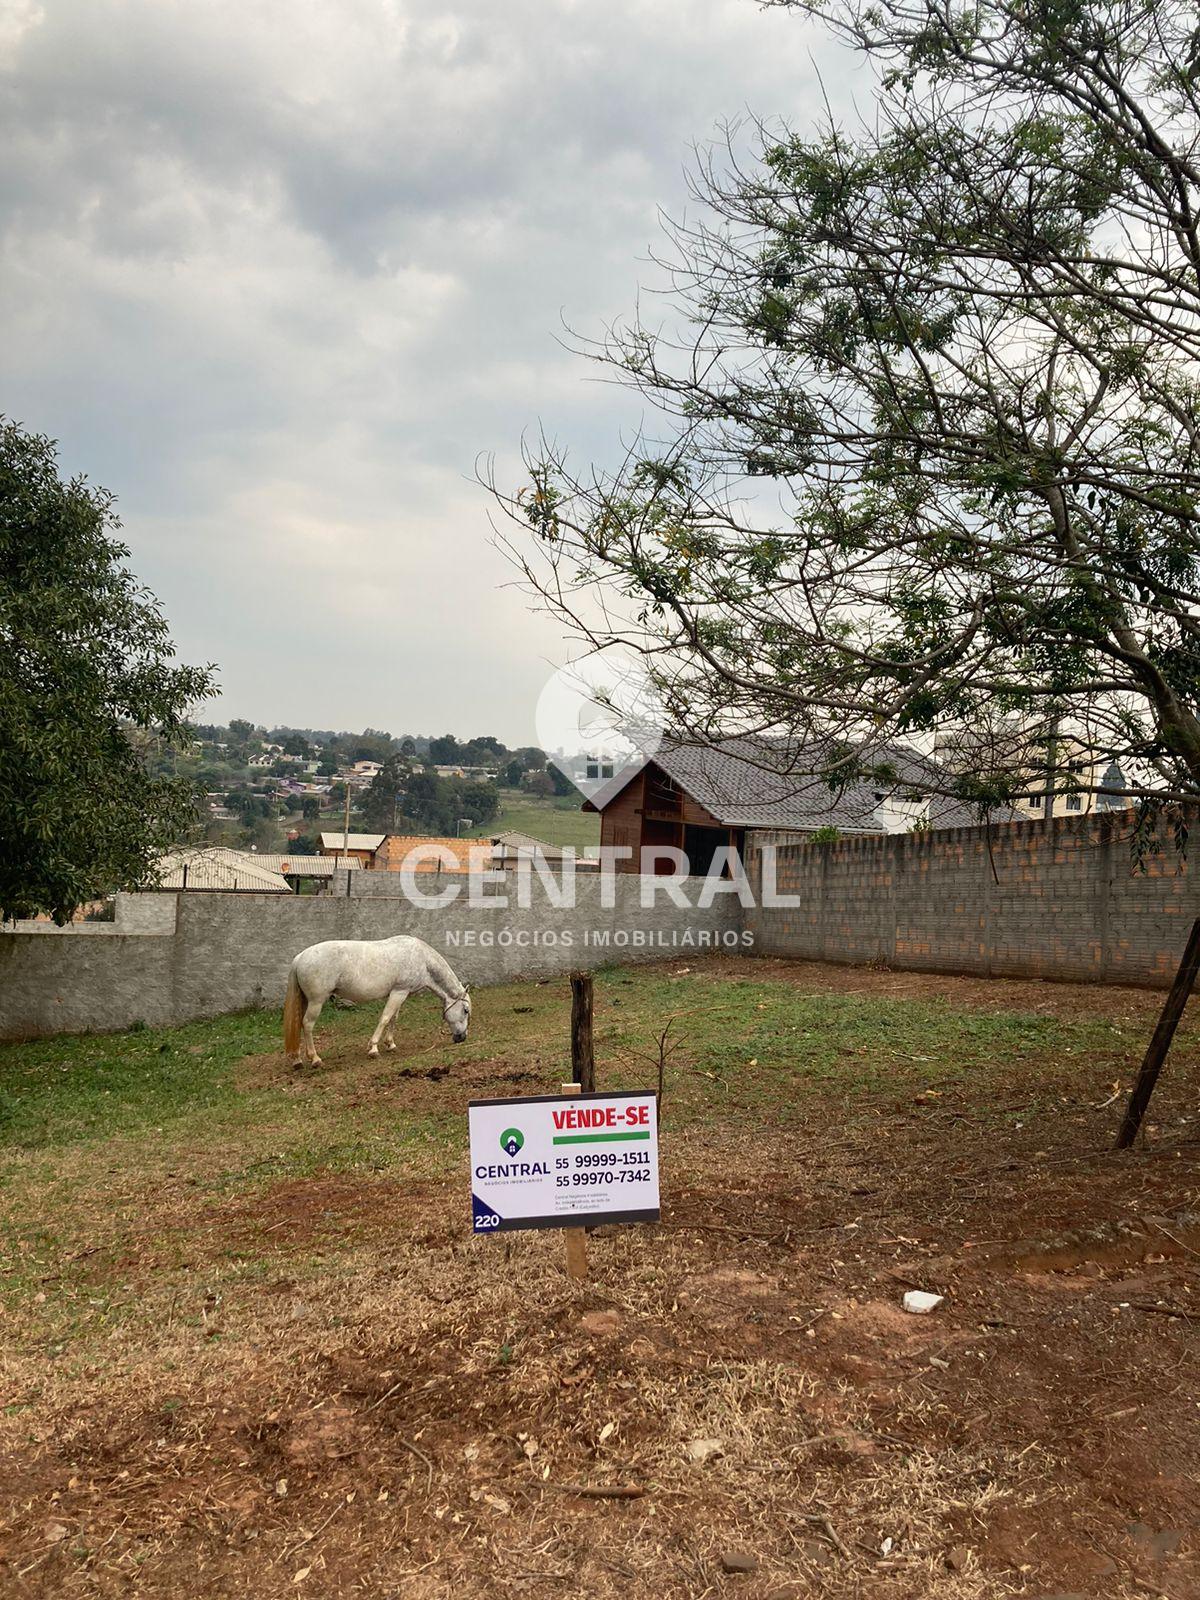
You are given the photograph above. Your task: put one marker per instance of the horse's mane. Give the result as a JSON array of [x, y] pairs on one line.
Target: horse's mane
[[441, 969]]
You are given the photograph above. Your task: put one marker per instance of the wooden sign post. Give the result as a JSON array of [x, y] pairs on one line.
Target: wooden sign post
[[583, 1057], [576, 1238]]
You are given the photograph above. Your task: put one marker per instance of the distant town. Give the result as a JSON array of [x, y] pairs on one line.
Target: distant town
[[276, 790]]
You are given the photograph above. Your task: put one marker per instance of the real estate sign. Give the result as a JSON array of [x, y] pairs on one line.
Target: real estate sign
[[551, 1162]]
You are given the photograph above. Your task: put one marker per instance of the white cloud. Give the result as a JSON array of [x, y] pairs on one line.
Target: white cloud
[[282, 272]]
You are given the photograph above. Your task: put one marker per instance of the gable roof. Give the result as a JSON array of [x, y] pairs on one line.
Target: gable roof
[[356, 841], [215, 867], [749, 781], [526, 843]]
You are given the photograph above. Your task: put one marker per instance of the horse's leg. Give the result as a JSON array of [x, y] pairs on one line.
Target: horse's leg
[[389, 1033], [311, 1012], [391, 1006]]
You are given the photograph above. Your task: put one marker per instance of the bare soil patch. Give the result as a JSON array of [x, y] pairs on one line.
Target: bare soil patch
[[986, 994]]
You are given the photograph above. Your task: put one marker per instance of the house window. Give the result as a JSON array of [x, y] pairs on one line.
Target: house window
[[606, 769], [1035, 800], [1074, 802], [593, 770]]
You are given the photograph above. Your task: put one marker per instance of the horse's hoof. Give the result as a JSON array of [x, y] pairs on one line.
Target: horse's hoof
[[372, 1051], [391, 1044], [316, 1062]]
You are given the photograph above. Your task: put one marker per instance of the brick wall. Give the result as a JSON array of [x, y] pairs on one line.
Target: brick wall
[[1058, 901]]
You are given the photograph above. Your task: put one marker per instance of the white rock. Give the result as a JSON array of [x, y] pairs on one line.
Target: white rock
[[919, 1302], [701, 1450]]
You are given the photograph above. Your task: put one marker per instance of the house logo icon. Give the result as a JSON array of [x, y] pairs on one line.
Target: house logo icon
[[598, 717], [511, 1141]]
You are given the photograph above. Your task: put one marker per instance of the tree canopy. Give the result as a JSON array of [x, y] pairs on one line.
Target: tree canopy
[[932, 456], [400, 799], [88, 688]]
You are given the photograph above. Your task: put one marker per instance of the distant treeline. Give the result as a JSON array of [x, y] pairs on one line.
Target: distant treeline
[[408, 795], [375, 744]]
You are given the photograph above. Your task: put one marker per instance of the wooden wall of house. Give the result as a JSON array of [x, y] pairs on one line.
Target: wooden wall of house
[[632, 819], [621, 821]]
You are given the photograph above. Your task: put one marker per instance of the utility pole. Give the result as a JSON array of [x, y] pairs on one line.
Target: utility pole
[[346, 825], [1051, 763]]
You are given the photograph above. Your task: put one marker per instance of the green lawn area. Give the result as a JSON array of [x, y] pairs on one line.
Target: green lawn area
[[555, 820], [92, 1128], [754, 1037]]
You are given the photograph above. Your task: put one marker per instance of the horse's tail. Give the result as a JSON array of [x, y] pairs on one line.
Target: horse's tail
[[293, 1015]]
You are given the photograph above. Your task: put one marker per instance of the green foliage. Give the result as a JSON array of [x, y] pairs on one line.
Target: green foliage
[[401, 799], [88, 691]]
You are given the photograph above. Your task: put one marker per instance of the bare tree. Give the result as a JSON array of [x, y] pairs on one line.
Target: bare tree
[[932, 440]]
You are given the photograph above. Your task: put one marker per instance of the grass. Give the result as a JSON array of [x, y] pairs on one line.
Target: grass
[[84, 1090], [93, 1129], [555, 820]]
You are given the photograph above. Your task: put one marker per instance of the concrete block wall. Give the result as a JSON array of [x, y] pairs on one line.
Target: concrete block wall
[[169, 958], [1025, 899]]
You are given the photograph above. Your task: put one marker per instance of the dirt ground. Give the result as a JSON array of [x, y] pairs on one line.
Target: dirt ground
[[323, 1385]]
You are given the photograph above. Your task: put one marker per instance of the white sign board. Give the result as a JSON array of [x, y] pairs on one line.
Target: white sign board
[[562, 1162]]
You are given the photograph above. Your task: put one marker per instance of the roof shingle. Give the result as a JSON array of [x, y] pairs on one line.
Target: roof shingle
[[754, 782]]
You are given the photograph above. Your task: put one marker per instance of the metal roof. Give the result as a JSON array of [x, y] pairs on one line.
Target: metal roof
[[355, 841], [298, 866], [215, 867], [525, 844]]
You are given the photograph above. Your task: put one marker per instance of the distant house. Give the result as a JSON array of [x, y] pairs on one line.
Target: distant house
[[360, 846], [698, 799], [297, 870], [214, 867], [246, 871], [589, 772], [367, 769], [1091, 783], [508, 849]]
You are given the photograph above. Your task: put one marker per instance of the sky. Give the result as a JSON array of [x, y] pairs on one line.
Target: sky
[[279, 273]]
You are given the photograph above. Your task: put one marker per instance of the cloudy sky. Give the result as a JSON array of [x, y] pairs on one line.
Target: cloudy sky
[[277, 272]]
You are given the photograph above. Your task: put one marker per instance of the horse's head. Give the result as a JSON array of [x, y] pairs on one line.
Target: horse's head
[[458, 1017]]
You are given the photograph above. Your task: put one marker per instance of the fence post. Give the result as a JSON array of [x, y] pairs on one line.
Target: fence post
[[583, 1060], [575, 1239]]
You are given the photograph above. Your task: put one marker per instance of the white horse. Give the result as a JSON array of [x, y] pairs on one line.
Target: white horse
[[368, 969]]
